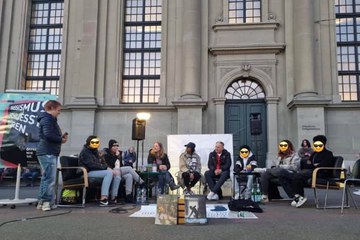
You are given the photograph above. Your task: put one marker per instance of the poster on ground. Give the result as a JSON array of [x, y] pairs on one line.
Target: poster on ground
[[19, 134]]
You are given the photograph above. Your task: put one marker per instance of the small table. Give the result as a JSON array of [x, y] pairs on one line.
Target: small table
[[148, 176]]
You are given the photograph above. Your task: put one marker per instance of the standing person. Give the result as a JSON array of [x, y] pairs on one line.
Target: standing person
[[129, 157], [246, 161], [48, 151], [287, 163], [113, 158], [96, 168], [219, 164], [190, 167], [320, 158], [158, 157]]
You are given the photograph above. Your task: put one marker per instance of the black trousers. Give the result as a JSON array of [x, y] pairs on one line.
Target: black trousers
[[187, 182]]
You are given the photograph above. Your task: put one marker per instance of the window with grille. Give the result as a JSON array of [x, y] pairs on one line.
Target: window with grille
[[244, 89], [142, 51], [44, 46], [244, 11], [348, 48]]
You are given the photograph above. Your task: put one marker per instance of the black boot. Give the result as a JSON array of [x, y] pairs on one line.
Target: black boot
[[173, 186]]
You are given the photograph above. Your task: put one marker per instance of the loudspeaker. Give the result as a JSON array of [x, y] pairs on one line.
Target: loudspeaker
[[255, 124], [138, 129]]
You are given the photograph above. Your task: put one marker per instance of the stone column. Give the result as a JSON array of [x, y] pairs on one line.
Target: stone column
[[272, 129], [304, 38], [191, 44], [220, 114]]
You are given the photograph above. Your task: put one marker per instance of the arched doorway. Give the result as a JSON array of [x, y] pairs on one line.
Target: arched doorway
[[245, 117]]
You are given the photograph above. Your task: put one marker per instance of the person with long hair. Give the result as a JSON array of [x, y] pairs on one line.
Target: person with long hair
[[48, 151], [287, 163], [160, 158], [96, 167]]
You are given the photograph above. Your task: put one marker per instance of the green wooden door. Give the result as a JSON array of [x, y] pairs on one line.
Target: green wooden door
[[246, 120]]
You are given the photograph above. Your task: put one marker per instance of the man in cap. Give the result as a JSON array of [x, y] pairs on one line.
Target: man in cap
[[321, 157], [190, 167]]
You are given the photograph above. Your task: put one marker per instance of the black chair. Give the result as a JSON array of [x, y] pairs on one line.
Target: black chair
[[74, 177], [334, 182], [353, 180]]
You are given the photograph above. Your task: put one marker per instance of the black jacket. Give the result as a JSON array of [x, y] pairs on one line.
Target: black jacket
[[50, 135], [250, 160], [165, 160], [325, 158], [111, 158], [225, 161], [89, 158]]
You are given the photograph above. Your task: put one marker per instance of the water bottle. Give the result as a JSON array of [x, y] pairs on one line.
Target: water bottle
[[138, 195], [143, 195], [253, 193], [154, 167], [258, 193]]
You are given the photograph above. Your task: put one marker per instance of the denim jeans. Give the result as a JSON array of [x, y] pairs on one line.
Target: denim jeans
[[108, 177], [47, 184], [32, 175], [216, 181], [129, 175]]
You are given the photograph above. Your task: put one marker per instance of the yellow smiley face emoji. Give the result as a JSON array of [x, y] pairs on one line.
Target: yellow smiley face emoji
[[94, 143], [283, 146], [318, 146], [244, 152]]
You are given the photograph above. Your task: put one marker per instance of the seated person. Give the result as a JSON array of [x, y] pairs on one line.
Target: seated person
[[287, 163], [245, 162], [219, 164], [90, 159], [129, 157], [158, 157], [305, 150], [190, 167], [320, 158], [30, 173], [113, 159]]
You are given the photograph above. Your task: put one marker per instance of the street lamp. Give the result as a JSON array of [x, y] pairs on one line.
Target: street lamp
[[138, 133]]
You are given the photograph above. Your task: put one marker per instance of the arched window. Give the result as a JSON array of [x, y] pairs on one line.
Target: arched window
[[244, 89]]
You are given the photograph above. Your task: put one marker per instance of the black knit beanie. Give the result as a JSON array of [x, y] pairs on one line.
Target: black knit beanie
[[112, 142]]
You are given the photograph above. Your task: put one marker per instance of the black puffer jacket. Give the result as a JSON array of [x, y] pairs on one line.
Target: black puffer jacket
[[50, 135], [225, 161], [89, 158]]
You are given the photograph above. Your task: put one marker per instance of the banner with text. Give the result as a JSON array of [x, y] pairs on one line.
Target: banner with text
[[19, 131]]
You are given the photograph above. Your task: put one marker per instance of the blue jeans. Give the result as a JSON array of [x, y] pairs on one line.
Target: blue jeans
[[32, 175], [47, 184], [164, 179], [216, 181], [107, 176]]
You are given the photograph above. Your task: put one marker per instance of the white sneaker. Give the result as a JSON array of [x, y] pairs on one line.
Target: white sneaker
[[264, 199], [296, 199], [301, 201], [215, 197], [39, 206], [210, 195], [237, 196], [357, 192], [46, 206]]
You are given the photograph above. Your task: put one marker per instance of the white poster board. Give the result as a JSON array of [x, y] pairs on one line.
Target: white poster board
[[205, 143]]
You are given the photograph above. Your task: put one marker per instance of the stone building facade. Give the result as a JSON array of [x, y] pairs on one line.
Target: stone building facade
[[264, 70]]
